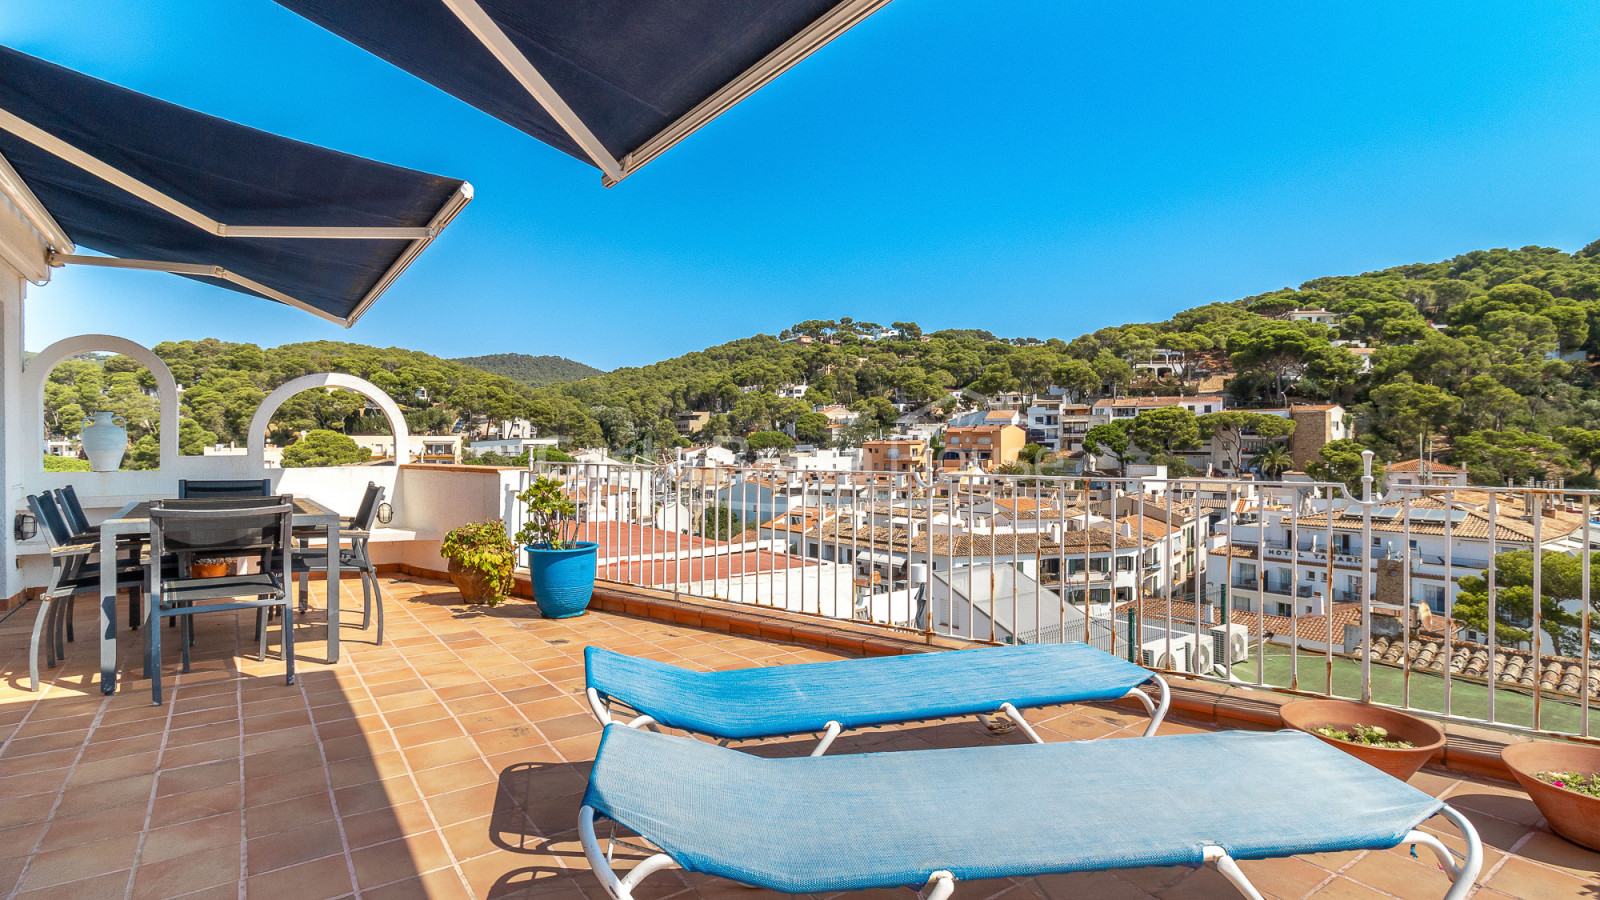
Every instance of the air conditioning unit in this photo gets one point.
(1201, 661)
(1230, 644)
(1157, 653)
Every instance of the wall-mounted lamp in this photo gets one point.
(24, 527)
(385, 514)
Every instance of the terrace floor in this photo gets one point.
(449, 763)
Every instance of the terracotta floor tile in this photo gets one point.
(1345, 889)
(504, 874)
(468, 803)
(279, 740)
(387, 824)
(453, 777)
(375, 795)
(576, 725)
(442, 753)
(37, 762)
(198, 778)
(444, 884)
(46, 782)
(1395, 873)
(81, 861)
(185, 875)
(195, 805)
(190, 837)
(1527, 881)
(95, 825)
(287, 814)
(91, 797)
(115, 768)
(578, 748)
(427, 733)
(420, 714)
(293, 847)
(195, 754)
(283, 787)
(113, 886)
(272, 763)
(99, 750)
(396, 860)
(322, 879)
(1498, 802)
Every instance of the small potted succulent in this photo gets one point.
(1563, 780)
(1384, 738)
(561, 570)
(482, 561)
(210, 568)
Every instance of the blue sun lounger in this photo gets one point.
(913, 819)
(773, 701)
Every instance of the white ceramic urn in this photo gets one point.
(104, 440)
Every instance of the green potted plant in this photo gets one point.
(482, 560)
(561, 570)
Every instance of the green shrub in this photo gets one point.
(65, 464)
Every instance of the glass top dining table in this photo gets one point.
(133, 520)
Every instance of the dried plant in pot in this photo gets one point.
(1543, 768)
(482, 560)
(561, 571)
(1361, 723)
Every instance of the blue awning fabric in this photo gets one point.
(159, 186)
(612, 82)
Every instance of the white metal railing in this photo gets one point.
(1032, 557)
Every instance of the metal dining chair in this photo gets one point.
(354, 559)
(74, 570)
(209, 529)
(190, 489)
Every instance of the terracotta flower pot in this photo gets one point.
(473, 584)
(1343, 715)
(208, 570)
(1572, 815)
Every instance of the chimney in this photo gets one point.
(913, 529)
(1125, 530)
(1208, 613)
(1055, 532)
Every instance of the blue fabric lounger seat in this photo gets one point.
(772, 701)
(909, 819)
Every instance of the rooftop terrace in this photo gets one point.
(449, 764)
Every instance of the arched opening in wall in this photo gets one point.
(329, 426)
(98, 391)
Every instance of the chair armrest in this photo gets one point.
(73, 550)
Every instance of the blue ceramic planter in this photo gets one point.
(563, 580)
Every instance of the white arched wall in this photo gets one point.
(258, 424)
(38, 369)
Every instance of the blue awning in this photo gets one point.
(157, 186)
(612, 82)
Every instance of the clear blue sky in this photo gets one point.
(1034, 168)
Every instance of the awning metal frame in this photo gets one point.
(813, 37)
(64, 252)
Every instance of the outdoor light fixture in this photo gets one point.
(385, 514)
(25, 526)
